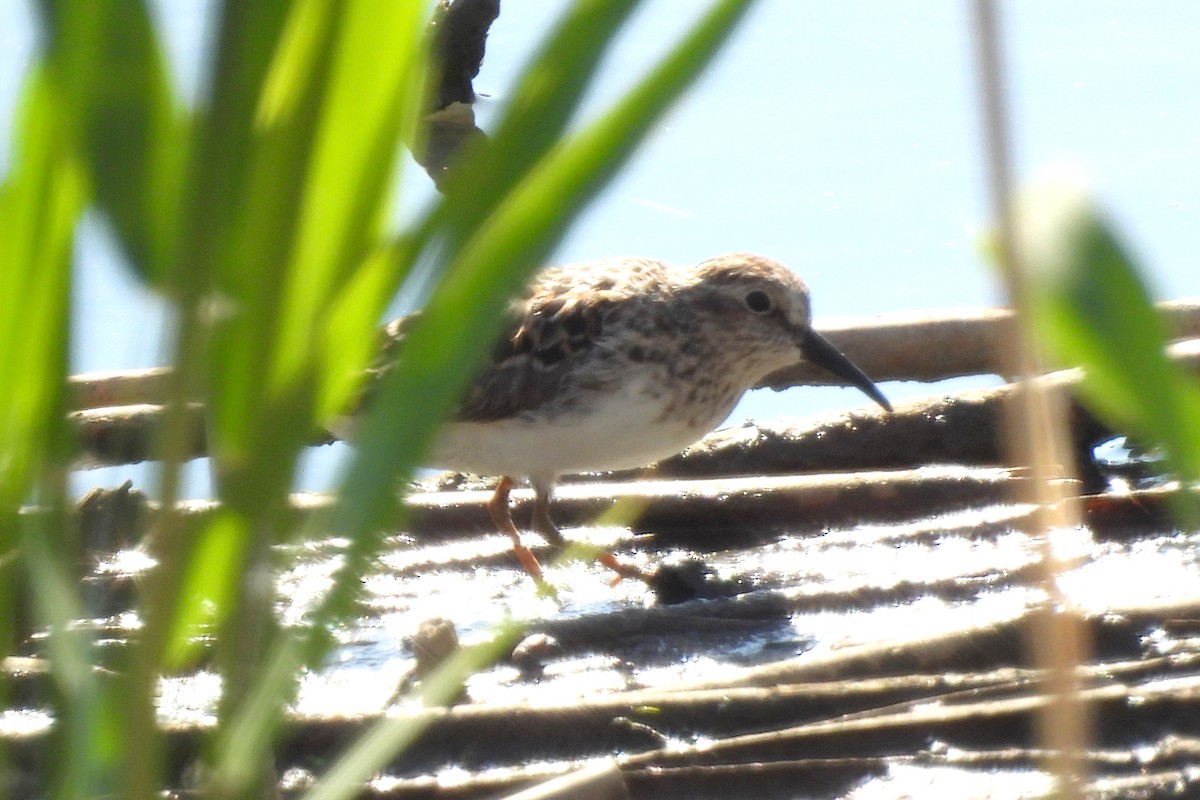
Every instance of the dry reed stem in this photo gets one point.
(910, 346)
(952, 428)
(1037, 434)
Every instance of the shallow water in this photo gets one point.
(797, 597)
(849, 585)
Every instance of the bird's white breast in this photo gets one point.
(627, 428)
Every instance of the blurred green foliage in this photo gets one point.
(1092, 309)
(264, 213)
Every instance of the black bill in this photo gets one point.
(818, 350)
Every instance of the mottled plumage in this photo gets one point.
(617, 363)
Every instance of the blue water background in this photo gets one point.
(840, 138)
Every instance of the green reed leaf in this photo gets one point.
(460, 321)
(1092, 310)
(109, 65)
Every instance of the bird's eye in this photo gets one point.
(758, 302)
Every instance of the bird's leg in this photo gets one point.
(544, 525)
(501, 514)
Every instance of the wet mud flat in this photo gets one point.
(862, 631)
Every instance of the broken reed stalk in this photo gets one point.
(1037, 427)
(843, 702)
(959, 428)
(937, 345)
(905, 506)
(702, 511)
(918, 346)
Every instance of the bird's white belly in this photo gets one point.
(629, 429)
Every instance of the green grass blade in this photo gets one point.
(217, 173)
(260, 247)
(107, 61)
(88, 727)
(371, 105)
(463, 317)
(466, 312)
(207, 587)
(1092, 310)
(391, 735)
(220, 165)
(40, 203)
(340, 94)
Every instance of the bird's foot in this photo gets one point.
(622, 570)
(501, 513)
(544, 525)
(528, 562)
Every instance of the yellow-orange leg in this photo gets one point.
(501, 513)
(544, 525)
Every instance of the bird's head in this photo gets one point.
(762, 309)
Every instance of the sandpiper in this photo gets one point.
(618, 363)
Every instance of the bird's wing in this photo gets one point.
(388, 348)
(544, 338)
(540, 346)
